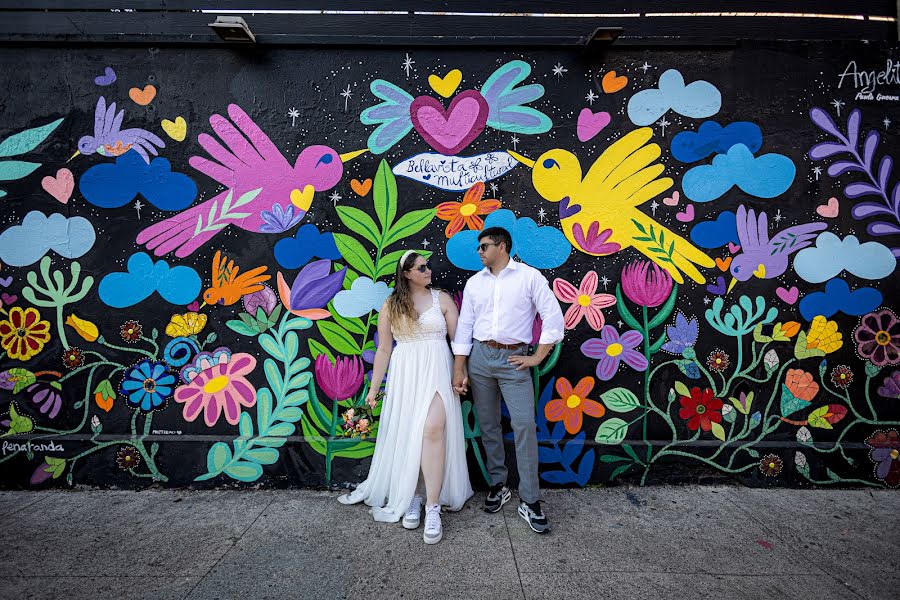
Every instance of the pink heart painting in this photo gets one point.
(61, 186)
(687, 215)
(449, 131)
(829, 210)
(591, 123)
(788, 295)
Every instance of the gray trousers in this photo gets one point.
(490, 375)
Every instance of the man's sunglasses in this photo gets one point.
(483, 247)
(421, 268)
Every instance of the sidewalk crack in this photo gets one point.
(233, 544)
(513, 550)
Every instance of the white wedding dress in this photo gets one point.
(421, 365)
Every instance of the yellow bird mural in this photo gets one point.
(599, 213)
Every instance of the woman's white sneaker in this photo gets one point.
(413, 514)
(433, 531)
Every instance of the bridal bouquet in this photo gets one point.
(359, 421)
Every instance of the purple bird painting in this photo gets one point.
(265, 194)
(110, 139)
(763, 257)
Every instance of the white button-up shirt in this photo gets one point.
(502, 308)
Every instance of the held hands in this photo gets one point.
(460, 380)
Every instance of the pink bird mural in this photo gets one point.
(265, 193)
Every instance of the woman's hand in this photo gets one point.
(372, 399)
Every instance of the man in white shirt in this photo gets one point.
(493, 333)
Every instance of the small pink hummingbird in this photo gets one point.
(259, 180)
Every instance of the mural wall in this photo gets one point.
(195, 245)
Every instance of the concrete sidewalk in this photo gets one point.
(610, 543)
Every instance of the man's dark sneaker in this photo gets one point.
(535, 516)
(497, 496)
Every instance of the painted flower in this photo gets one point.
(742, 402)
(842, 376)
(701, 409)
(73, 358)
(717, 361)
(279, 220)
(23, 333)
(573, 404)
(770, 465)
(878, 338)
(311, 291)
(264, 298)
(467, 213)
(131, 331)
(801, 384)
(147, 385)
(682, 335)
(216, 383)
(593, 241)
(585, 301)
(778, 332)
(646, 283)
(104, 396)
(128, 458)
(340, 379)
(885, 454)
(822, 338)
(891, 386)
(87, 330)
(187, 324)
(7, 380)
(611, 349)
(48, 395)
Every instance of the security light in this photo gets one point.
(233, 29)
(603, 35)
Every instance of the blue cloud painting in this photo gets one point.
(307, 243)
(25, 244)
(764, 176)
(831, 255)
(110, 185)
(836, 298)
(717, 233)
(697, 100)
(541, 247)
(177, 285)
(712, 138)
(363, 296)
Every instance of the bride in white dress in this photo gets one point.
(420, 428)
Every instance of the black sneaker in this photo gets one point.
(535, 516)
(497, 496)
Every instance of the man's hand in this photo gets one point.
(524, 362)
(460, 380)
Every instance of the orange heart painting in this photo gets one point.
(142, 97)
(361, 187)
(613, 83)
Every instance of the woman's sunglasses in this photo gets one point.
(421, 268)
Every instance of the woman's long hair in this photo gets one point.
(400, 307)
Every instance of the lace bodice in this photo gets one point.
(431, 324)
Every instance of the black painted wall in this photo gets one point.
(287, 440)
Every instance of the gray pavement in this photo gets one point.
(611, 543)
